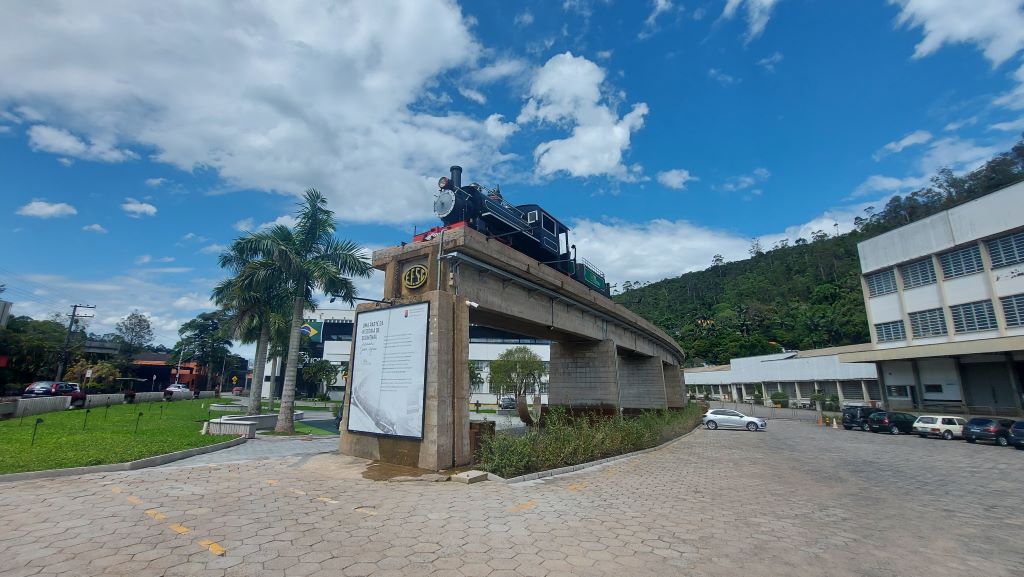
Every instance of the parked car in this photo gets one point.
(1017, 435)
(988, 429)
(507, 403)
(946, 427)
(56, 389)
(175, 388)
(237, 390)
(728, 418)
(857, 417)
(891, 421)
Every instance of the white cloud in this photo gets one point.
(283, 220)
(1009, 126)
(59, 141)
(43, 209)
(273, 96)
(524, 18)
(878, 183)
(65, 161)
(676, 178)
(143, 259)
(167, 270)
(996, 26)
(244, 225)
(658, 7)
(959, 155)
(721, 77)
(193, 301)
(958, 124)
(213, 249)
(913, 139)
(498, 70)
(745, 181)
(165, 259)
(155, 182)
(4, 129)
(498, 129)
(759, 12)
(474, 95)
(604, 54)
(1014, 99)
(137, 208)
(94, 228)
(566, 92)
(769, 62)
(193, 237)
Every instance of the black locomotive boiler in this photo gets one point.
(527, 228)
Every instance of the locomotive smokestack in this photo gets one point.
(456, 176)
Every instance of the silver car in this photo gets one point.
(732, 419)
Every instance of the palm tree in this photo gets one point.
(302, 262)
(254, 312)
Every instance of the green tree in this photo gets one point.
(322, 372)
(256, 309)
(134, 332)
(517, 371)
(303, 261)
(476, 376)
(204, 340)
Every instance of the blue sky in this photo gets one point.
(137, 141)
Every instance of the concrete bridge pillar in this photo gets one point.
(584, 374)
(675, 390)
(641, 383)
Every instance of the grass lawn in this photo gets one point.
(109, 436)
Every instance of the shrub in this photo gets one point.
(566, 441)
(780, 398)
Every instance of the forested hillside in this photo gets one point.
(801, 296)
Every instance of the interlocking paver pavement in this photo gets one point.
(795, 500)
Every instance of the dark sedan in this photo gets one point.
(988, 429)
(892, 422)
(55, 389)
(1017, 435)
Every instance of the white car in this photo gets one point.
(948, 428)
(728, 418)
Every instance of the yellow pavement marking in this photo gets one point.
(156, 514)
(134, 500)
(116, 489)
(578, 486)
(366, 510)
(326, 500)
(271, 482)
(179, 529)
(297, 492)
(523, 506)
(214, 547)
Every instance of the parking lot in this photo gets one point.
(794, 500)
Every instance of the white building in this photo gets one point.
(945, 305)
(798, 374)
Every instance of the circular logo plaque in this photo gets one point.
(414, 276)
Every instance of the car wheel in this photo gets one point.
(923, 435)
(1019, 447)
(947, 435)
(847, 427)
(894, 430)
(1002, 441)
(752, 427)
(970, 439)
(711, 425)
(866, 428)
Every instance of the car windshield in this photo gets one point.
(980, 422)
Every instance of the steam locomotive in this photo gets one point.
(527, 228)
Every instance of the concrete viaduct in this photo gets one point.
(602, 354)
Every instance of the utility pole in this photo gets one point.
(67, 340)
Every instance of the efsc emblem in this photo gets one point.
(414, 276)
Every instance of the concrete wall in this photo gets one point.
(104, 400)
(207, 394)
(41, 405)
(147, 397)
(584, 374)
(675, 390)
(641, 383)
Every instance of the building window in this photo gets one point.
(971, 317)
(1013, 308)
(937, 389)
(882, 282)
(918, 273)
(1006, 250)
(898, 391)
(961, 262)
(892, 331)
(929, 323)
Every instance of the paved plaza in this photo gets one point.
(795, 500)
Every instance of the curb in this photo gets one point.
(154, 461)
(581, 466)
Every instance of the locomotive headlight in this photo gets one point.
(442, 182)
(444, 203)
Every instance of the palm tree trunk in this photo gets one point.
(256, 389)
(286, 418)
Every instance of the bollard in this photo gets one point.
(85, 421)
(107, 410)
(161, 411)
(137, 419)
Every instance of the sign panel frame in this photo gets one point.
(372, 376)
